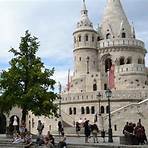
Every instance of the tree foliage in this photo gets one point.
(27, 83)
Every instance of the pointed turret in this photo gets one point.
(115, 23)
(84, 22)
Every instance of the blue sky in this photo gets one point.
(53, 22)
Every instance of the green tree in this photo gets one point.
(27, 83)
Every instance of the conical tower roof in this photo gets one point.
(84, 22)
(115, 21)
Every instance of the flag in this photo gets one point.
(68, 81)
(111, 77)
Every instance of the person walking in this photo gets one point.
(78, 129)
(40, 127)
(87, 131)
(95, 131)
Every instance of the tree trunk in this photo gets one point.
(24, 113)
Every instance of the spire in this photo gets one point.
(114, 18)
(84, 19)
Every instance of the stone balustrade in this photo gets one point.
(116, 95)
(131, 68)
(120, 42)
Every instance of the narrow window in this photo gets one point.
(108, 36)
(93, 38)
(105, 86)
(95, 87)
(123, 35)
(70, 111)
(82, 110)
(115, 127)
(87, 110)
(74, 111)
(79, 38)
(122, 61)
(86, 38)
(92, 110)
(107, 109)
(102, 109)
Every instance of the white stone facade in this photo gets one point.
(95, 51)
(114, 43)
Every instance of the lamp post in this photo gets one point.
(99, 100)
(60, 88)
(108, 95)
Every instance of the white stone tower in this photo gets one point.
(119, 46)
(85, 54)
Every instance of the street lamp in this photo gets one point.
(108, 93)
(99, 99)
(60, 89)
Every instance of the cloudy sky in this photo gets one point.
(53, 22)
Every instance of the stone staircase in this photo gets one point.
(7, 142)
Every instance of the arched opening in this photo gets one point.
(102, 109)
(95, 87)
(93, 38)
(2, 124)
(108, 36)
(82, 110)
(74, 111)
(122, 61)
(11, 127)
(70, 111)
(139, 61)
(129, 60)
(87, 110)
(105, 86)
(86, 37)
(79, 38)
(92, 110)
(123, 35)
(108, 64)
(107, 109)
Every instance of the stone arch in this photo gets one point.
(102, 109)
(74, 111)
(86, 37)
(108, 36)
(108, 64)
(2, 124)
(70, 111)
(94, 87)
(11, 127)
(107, 109)
(122, 60)
(92, 110)
(129, 60)
(79, 38)
(139, 61)
(82, 110)
(123, 35)
(87, 110)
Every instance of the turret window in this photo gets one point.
(102, 109)
(139, 61)
(123, 35)
(86, 37)
(95, 87)
(93, 38)
(122, 61)
(129, 60)
(82, 110)
(70, 111)
(92, 110)
(87, 110)
(108, 36)
(79, 38)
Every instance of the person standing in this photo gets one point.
(78, 129)
(87, 131)
(60, 128)
(95, 132)
(40, 127)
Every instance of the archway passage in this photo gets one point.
(11, 127)
(2, 124)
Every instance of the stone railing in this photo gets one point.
(116, 95)
(120, 42)
(127, 108)
(131, 68)
(82, 44)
